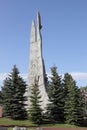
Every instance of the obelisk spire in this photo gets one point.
(33, 32)
(39, 21)
(36, 66)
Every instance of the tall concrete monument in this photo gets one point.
(36, 64)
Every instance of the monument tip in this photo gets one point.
(33, 23)
(39, 20)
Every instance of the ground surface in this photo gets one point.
(64, 128)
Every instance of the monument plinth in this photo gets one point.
(36, 64)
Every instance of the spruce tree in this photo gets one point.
(35, 110)
(13, 92)
(1, 99)
(80, 108)
(83, 91)
(73, 108)
(55, 108)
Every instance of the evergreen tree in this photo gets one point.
(83, 91)
(47, 84)
(1, 99)
(13, 96)
(35, 111)
(55, 108)
(80, 108)
(73, 108)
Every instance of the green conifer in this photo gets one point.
(55, 108)
(35, 110)
(13, 96)
(73, 108)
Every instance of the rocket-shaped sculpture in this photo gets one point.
(36, 64)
